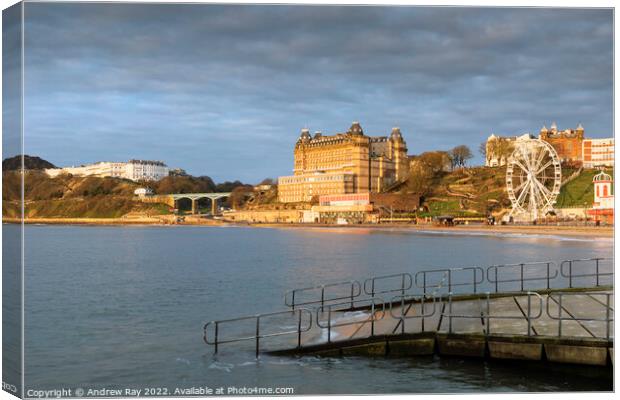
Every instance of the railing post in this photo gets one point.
(450, 280)
(521, 277)
(352, 285)
(293, 300)
(329, 324)
(422, 310)
(402, 284)
(496, 284)
(372, 288)
(322, 297)
(597, 281)
(488, 318)
(424, 281)
(372, 320)
(257, 334)
(450, 312)
(402, 314)
(607, 315)
(529, 313)
(559, 316)
(570, 274)
(548, 275)
(216, 336)
(474, 271)
(299, 331)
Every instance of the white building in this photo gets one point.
(143, 192)
(603, 197)
(597, 153)
(135, 170)
(499, 148)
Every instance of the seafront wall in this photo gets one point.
(265, 216)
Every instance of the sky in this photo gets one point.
(224, 91)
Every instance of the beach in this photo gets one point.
(558, 230)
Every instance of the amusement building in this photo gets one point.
(344, 163)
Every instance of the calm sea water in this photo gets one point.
(123, 307)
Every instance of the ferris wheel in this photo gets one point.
(533, 179)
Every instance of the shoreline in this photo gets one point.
(570, 231)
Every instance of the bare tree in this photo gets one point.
(483, 149)
(460, 155)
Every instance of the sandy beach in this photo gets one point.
(562, 230)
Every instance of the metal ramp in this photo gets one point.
(569, 299)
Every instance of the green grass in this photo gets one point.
(579, 191)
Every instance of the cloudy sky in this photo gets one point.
(224, 90)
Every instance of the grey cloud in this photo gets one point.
(186, 83)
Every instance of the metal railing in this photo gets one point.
(257, 336)
(549, 269)
(344, 296)
(375, 303)
(404, 315)
(405, 283)
(422, 278)
(528, 312)
(567, 269)
(486, 316)
(353, 290)
(564, 315)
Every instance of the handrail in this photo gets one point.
(569, 274)
(447, 273)
(486, 313)
(404, 277)
(495, 279)
(355, 290)
(402, 300)
(528, 315)
(257, 336)
(372, 319)
(566, 316)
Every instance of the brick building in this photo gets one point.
(567, 143)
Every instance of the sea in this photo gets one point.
(123, 308)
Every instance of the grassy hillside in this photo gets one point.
(467, 192)
(72, 197)
(579, 191)
(473, 191)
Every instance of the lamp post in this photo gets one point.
(585, 213)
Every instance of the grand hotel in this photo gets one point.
(344, 163)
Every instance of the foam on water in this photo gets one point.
(222, 366)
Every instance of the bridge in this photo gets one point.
(544, 311)
(194, 197)
(171, 199)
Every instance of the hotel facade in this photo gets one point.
(344, 163)
(598, 153)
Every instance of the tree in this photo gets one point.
(239, 196)
(436, 161)
(268, 181)
(460, 155)
(500, 149)
(483, 149)
(420, 179)
(424, 171)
